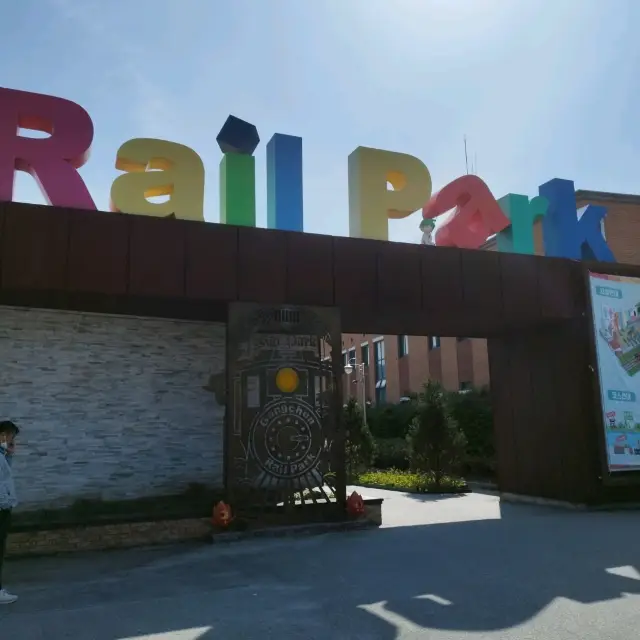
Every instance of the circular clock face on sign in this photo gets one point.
(286, 438)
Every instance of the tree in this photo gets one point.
(436, 442)
(359, 443)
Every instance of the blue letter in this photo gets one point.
(284, 183)
(569, 233)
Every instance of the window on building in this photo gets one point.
(381, 372)
(364, 354)
(344, 359)
(434, 342)
(381, 369)
(403, 346)
(351, 355)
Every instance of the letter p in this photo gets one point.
(371, 203)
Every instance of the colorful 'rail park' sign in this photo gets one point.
(152, 167)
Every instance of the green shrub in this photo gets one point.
(195, 501)
(391, 420)
(409, 482)
(359, 443)
(478, 468)
(390, 425)
(428, 483)
(473, 413)
(436, 442)
(391, 453)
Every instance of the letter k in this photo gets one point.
(569, 233)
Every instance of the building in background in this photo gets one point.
(398, 365)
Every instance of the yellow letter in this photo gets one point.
(371, 203)
(179, 173)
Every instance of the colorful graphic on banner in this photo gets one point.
(616, 319)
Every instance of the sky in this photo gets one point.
(540, 89)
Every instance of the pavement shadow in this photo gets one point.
(370, 491)
(433, 497)
(477, 576)
(491, 575)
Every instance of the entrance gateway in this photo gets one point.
(534, 311)
(284, 449)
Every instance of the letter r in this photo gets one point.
(52, 161)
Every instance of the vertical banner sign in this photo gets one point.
(616, 319)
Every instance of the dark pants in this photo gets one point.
(5, 519)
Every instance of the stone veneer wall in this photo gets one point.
(111, 407)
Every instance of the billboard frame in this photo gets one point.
(609, 478)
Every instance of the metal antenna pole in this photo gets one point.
(466, 157)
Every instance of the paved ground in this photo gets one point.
(459, 567)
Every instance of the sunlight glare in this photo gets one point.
(436, 599)
(430, 20)
(402, 624)
(627, 571)
(183, 634)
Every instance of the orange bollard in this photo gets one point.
(355, 504)
(221, 517)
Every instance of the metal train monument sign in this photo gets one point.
(152, 167)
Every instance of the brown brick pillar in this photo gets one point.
(435, 364)
(418, 362)
(480, 362)
(393, 374)
(465, 362)
(449, 349)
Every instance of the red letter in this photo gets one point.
(51, 161)
(477, 215)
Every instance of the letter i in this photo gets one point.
(238, 140)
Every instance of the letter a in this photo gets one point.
(476, 214)
(179, 173)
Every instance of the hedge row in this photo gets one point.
(390, 423)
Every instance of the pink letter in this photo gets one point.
(51, 161)
(477, 215)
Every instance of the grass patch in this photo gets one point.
(399, 480)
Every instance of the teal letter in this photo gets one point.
(523, 213)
